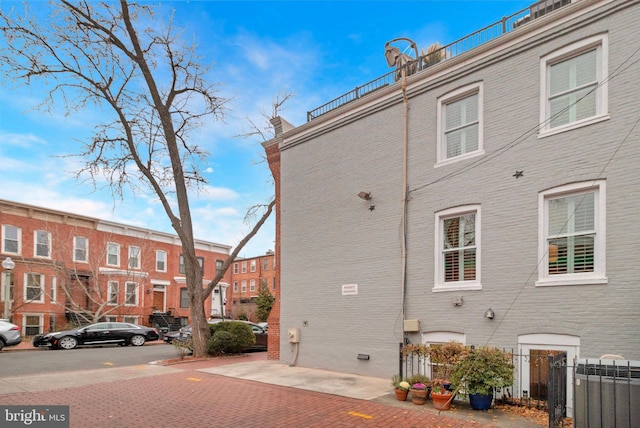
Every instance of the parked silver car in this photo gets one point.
(9, 334)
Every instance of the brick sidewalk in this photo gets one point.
(191, 398)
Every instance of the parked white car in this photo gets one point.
(9, 334)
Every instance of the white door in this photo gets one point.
(216, 301)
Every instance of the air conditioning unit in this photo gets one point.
(607, 393)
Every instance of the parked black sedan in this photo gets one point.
(119, 333)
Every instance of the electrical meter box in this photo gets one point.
(411, 326)
(294, 335)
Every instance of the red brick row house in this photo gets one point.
(75, 269)
(247, 275)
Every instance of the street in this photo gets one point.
(40, 361)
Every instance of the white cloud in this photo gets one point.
(24, 141)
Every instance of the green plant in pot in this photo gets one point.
(400, 387)
(481, 371)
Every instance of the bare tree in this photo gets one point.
(115, 55)
(89, 294)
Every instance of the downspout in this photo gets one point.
(405, 149)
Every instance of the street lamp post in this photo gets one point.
(7, 267)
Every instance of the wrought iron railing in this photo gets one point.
(444, 53)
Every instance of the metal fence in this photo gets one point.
(458, 47)
(606, 392)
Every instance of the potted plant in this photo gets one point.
(433, 55)
(419, 393)
(400, 387)
(440, 395)
(481, 371)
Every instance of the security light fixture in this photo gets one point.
(489, 314)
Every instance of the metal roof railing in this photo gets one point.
(444, 53)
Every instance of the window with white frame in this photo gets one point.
(252, 285)
(42, 243)
(458, 249)
(181, 265)
(80, 249)
(11, 239)
(131, 294)
(573, 85)
(134, 257)
(244, 286)
(111, 318)
(54, 289)
(459, 119)
(253, 266)
(130, 319)
(265, 264)
(219, 265)
(235, 286)
(113, 254)
(161, 261)
(34, 287)
(235, 268)
(244, 267)
(32, 324)
(112, 292)
(572, 234)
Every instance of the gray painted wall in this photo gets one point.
(330, 237)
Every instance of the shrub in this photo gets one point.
(237, 337)
(484, 369)
(183, 347)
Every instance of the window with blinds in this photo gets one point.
(572, 241)
(460, 123)
(458, 247)
(574, 89)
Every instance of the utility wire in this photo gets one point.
(531, 131)
(521, 139)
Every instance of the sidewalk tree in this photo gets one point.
(119, 57)
(264, 301)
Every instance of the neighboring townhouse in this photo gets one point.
(76, 269)
(246, 277)
(484, 197)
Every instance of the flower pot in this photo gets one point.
(441, 401)
(480, 401)
(401, 394)
(419, 396)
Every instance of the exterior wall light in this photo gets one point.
(490, 314)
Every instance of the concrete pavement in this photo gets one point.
(235, 391)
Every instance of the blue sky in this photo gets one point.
(316, 50)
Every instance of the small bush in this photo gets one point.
(221, 342)
(237, 337)
(183, 347)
